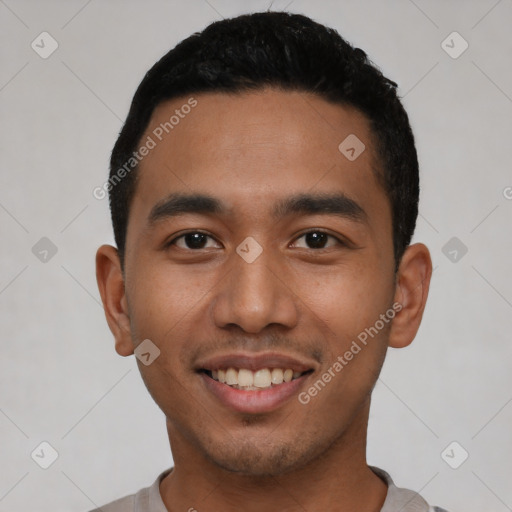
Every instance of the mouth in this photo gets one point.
(248, 380)
(252, 383)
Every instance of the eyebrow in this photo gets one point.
(178, 204)
(337, 204)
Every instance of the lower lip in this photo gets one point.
(254, 401)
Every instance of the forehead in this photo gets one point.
(258, 147)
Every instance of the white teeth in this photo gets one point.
(288, 375)
(249, 380)
(231, 377)
(245, 378)
(277, 376)
(262, 378)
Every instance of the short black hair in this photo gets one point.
(290, 52)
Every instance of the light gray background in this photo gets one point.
(60, 378)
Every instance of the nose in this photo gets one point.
(253, 296)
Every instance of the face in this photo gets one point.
(255, 246)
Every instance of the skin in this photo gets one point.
(250, 150)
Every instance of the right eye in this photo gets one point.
(192, 240)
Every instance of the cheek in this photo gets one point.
(161, 296)
(347, 299)
(348, 305)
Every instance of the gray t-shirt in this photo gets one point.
(149, 499)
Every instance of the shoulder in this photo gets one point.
(402, 499)
(147, 499)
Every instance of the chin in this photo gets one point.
(265, 461)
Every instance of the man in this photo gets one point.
(264, 191)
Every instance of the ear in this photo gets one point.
(412, 284)
(111, 285)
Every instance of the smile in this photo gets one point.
(254, 383)
(249, 380)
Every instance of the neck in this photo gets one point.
(339, 479)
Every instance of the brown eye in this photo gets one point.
(193, 240)
(318, 240)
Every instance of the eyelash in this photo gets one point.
(338, 241)
(173, 241)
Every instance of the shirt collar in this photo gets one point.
(403, 500)
(398, 499)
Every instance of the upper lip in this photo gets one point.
(255, 362)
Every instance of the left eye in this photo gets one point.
(318, 240)
(194, 240)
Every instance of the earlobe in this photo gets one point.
(109, 277)
(413, 281)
